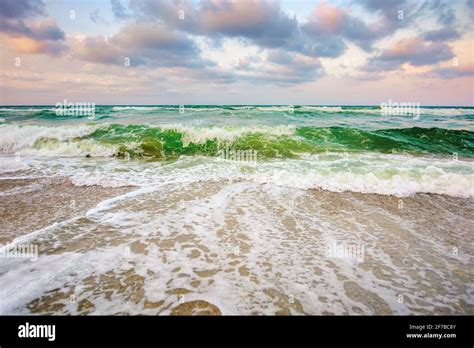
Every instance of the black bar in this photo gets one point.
(336, 330)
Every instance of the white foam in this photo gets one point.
(62, 141)
(26, 109)
(322, 108)
(120, 108)
(200, 135)
(21, 190)
(446, 111)
(288, 262)
(280, 108)
(14, 138)
(399, 175)
(8, 165)
(425, 111)
(366, 173)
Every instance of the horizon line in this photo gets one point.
(358, 105)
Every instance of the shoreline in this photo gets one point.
(28, 205)
(174, 249)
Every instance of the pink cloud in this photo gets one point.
(329, 16)
(404, 47)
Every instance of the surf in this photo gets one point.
(172, 141)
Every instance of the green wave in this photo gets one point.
(412, 140)
(158, 143)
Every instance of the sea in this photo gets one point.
(236, 209)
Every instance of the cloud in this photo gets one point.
(470, 6)
(453, 72)
(446, 15)
(394, 14)
(39, 30)
(330, 27)
(386, 6)
(162, 34)
(282, 68)
(27, 34)
(410, 50)
(443, 34)
(262, 23)
(98, 49)
(16, 19)
(397, 14)
(167, 36)
(31, 46)
(96, 17)
(118, 9)
(21, 8)
(259, 21)
(333, 26)
(148, 44)
(45, 30)
(160, 38)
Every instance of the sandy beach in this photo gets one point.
(199, 248)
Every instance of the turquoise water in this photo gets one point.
(439, 130)
(362, 117)
(354, 148)
(236, 206)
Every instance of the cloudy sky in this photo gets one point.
(237, 52)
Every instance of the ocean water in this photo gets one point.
(238, 210)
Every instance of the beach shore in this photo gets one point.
(233, 248)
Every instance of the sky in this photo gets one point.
(346, 52)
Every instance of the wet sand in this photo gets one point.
(28, 205)
(236, 248)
